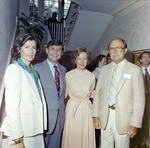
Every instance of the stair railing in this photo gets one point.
(56, 30)
(62, 30)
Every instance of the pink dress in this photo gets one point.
(79, 131)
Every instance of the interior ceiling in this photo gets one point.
(104, 6)
(91, 14)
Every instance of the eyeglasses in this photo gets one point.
(118, 48)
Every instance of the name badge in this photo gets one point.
(127, 76)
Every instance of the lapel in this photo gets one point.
(123, 80)
(32, 83)
(109, 75)
(48, 76)
(61, 78)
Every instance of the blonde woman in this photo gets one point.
(79, 131)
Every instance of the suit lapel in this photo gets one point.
(122, 80)
(48, 76)
(32, 84)
(109, 75)
(121, 83)
(61, 79)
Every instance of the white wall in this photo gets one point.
(87, 30)
(133, 27)
(24, 7)
(8, 12)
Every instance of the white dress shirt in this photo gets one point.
(119, 69)
(51, 66)
(148, 70)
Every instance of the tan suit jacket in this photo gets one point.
(25, 111)
(96, 72)
(130, 98)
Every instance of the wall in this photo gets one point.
(41, 9)
(133, 27)
(8, 12)
(88, 27)
(24, 7)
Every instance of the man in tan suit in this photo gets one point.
(119, 99)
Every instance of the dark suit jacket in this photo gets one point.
(55, 104)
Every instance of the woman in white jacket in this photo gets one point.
(25, 103)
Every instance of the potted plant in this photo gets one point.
(31, 26)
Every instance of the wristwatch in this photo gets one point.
(18, 140)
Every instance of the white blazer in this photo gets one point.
(25, 110)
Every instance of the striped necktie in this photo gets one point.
(57, 81)
(113, 87)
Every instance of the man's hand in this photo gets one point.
(132, 131)
(96, 122)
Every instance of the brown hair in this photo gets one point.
(140, 57)
(20, 41)
(77, 52)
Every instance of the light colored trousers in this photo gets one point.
(110, 136)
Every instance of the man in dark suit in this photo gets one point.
(52, 76)
(144, 59)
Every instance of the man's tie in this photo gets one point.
(57, 82)
(147, 82)
(113, 87)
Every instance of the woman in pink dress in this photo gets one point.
(79, 131)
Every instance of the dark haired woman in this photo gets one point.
(25, 104)
(79, 131)
(100, 61)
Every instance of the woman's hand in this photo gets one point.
(19, 145)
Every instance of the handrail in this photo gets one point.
(69, 8)
(57, 29)
(8, 62)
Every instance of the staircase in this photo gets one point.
(62, 30)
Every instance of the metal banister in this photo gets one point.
(62, 30)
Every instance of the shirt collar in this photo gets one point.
(52, 65)
(143, 68)
(121, 64)
(98, 68)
